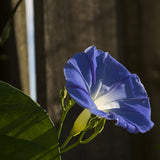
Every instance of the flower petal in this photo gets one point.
(80, 96)
(78, 72)
(113, 71)
(130, 87)
(104, 68)
(131, 112)
(133, 116)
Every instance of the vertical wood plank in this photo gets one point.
(151, 55)
(40, 53)
(73, 27)
(68, 27)
(139, 38)
(8, 49)
(14, 68)
(19, 21)
(129, 43)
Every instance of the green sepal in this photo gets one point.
(100, 126)
(92, 122)
(63, 95)
(69, 102)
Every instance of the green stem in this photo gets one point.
(65, 111)
(80, 141)
(89, 139)
(9, 20)
(62, 104)
(81, 136)
(98, 130)
(66, 142)
(70, 147)
(61, 122)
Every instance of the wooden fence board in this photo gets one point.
(14, 68)
(64, 28)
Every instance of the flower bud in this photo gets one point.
(81, 122)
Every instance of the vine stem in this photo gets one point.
(66, 142)
(61, 122)
(89, 139)
(80, 140)
(9, 20)
(64, 114)
(70, 147)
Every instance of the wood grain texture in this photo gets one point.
(14, 68)
(19, 21)
(151, 55)
(139, 39)
(65, 28)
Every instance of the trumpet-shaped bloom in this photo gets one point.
(96, 81)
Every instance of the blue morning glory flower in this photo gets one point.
(99, 83)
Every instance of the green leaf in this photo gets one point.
(26, 132)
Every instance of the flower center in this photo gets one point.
(107, 98)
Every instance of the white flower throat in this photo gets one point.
(106, 98)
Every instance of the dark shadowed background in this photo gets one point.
(128, 29)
